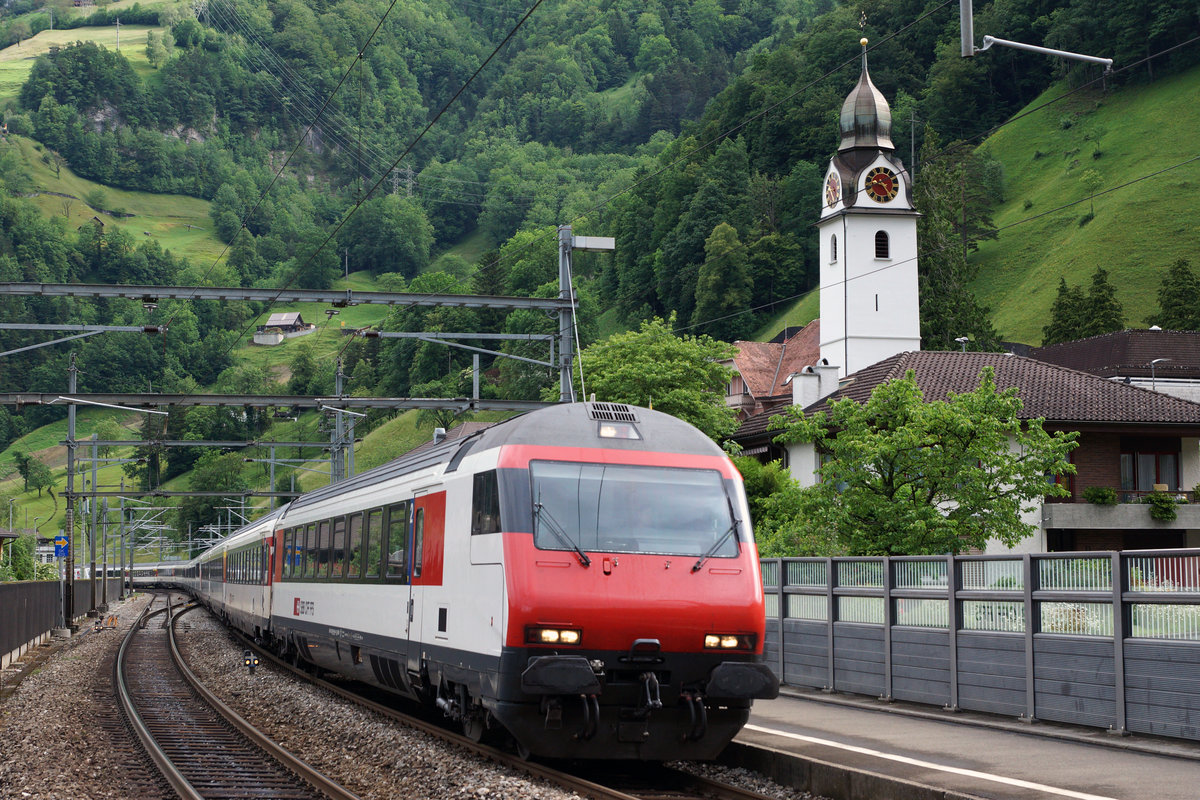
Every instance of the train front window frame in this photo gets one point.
(623, 508)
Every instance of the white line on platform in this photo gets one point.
(930, 765)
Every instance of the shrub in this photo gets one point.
(1086, 218)
(1100, 495)
(1162, 506)
(1066, 121)
(1028, 204)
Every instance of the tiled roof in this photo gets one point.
(284, 318)
(764, 366)
(1058, 394)
(1129, 353)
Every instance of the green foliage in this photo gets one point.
(1075, 315)
(652, 366)
(1163, 506)
(905, 477)
(1178, 299)
(1100, 495)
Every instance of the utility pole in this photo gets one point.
(337, 468)
(92, 528)
(69, 521)
(118, 34)
(567, 244)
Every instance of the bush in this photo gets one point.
(1162, 506)
(1086, 218)
(1100, 495)
(1028, 204)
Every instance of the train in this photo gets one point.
(580, 580)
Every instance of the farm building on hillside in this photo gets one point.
(284, 325)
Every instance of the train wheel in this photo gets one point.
(475, 728)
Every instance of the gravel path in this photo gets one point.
(50, 751)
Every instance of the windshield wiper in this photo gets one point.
(715, 546)
(559, 533)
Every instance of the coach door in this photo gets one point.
(426, 619)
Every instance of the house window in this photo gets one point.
(1144, 468)
(881, 245)
(833, 248)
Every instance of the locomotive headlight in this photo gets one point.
(569, 636)
(728, 641)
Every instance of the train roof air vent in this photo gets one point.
(611, 412)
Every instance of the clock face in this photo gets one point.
(833, 189)
(881, 184)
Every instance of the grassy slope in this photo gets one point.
(1138, 231)
(17, 60)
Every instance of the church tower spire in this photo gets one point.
(870, 305)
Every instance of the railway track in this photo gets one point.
(203, 748)
(601, 782)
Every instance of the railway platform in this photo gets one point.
(857, 748)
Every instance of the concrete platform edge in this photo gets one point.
(830, 780)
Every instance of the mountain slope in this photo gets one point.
(1142, 224)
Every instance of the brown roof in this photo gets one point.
(764, 366)
(1058, 394)
(460, 431)
(1129, 353)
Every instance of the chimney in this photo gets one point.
(439, 435)
(813, 383)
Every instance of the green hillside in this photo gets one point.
(1138, 230)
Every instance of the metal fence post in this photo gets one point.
(831, 684)
(953, 584)
(1118, 611)
(781, 613)
(1030, 695)
(887, 629)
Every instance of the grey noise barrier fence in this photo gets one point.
(1102, 639)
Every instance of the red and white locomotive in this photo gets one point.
(582, 576)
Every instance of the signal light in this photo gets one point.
(250, 660)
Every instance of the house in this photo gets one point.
(761, 369)
(1131, 439)
(1165, 361)
(280, 326)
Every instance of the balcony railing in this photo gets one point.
(1136, 495)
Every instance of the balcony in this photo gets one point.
(1123, 516)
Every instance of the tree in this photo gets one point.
(1091, 181)
(724, 286)
(40, 477)
(1066, 315)
(1178, 299)
(678, 375)
(214, 472)
(903, 476)
(1104, 311)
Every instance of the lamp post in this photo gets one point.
(1153, 382)
(963, 341)
(11, 500)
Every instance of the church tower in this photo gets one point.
(870, 308)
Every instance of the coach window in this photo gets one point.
(371, 542)
(397, 542)
(310, 551)
(418, 542)
(485, 504)
(287, 553)
(322, 554)
(354, 548)
(337, 553)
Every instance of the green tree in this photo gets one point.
(1068, 315)
(40, 477)
(1178, 299)
(903, 476)
(214, 472)
(1091, 181)
(1104, 311)
(652, 366)
(724, 287)
(109, 430)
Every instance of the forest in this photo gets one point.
(337, 136)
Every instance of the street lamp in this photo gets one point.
(1153, 383)
(963, 341)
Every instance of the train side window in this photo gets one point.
(288, 543)
(310, 551)
(485, 503)
(354, 548)
(322, 554)
(337, 553)
(418, 542)
(397, 542)
(372, 541)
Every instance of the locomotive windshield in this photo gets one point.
(617, 508)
